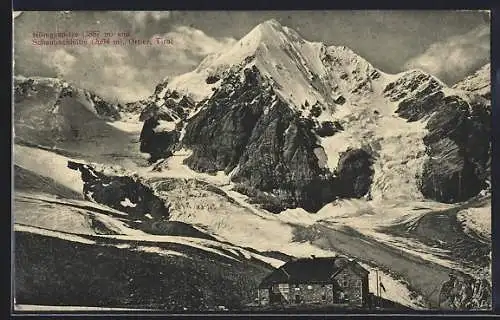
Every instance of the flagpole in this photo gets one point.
(380, 281)
(376, 282)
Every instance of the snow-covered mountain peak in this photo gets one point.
(302, 72)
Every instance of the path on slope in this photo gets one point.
(423, 276)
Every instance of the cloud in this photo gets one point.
(120, 73)
(140, 19)
(196, 41)
(456, 56)
(62, 61)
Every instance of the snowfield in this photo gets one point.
(173, 167)
(367, 217)
(46, 211)
(128, 123)
(48, 164)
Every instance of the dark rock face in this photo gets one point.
(244, 125)
(157, 144)
(219, 133)
(120, 193)
(105, 109)
(328, 128)
(472, 293)
(458, 139)
(355, 173)
(172, 107)
(340, 100)
(212, 79)
(315, 110)
(23, 89)
(419, 94)
(458, 144)
(419, 106)
(286, 165)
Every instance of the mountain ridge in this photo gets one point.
(333, 85)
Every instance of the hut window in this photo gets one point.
(283, 287)
(309, 287)
(358, 283)
(344, 283)
(323, 297)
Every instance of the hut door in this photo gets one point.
(297, 298)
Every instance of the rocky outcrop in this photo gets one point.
(463, 292)
(280, 159)
(458, 138)
(354, 173)
(219, 133)
(104, 108)
(158, 144)
(458, 146)
(479, 82)
(328, 128)
(164, 115)
(418, 93)
(247, 128)
(122, 193)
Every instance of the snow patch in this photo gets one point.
(174, 167)
(160, 251)
(128, 203)
(164, 126)
(127, 126)
(477, 220)
(54, 234)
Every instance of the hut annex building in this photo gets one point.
(316, 280)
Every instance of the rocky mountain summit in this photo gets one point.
(479, 82)
(274, 111)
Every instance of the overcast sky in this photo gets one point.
(448, 44)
